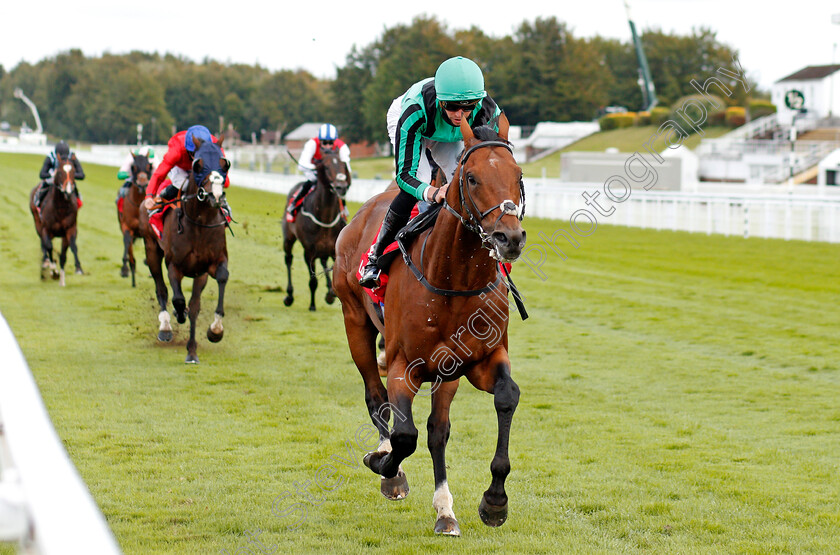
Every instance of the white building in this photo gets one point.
(813, 87)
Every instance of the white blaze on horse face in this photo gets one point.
(217, 183)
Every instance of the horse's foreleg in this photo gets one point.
(330, 298)
(75, 252)
(132, 263)
(438, 428)
(313, 280)
(288, 244)
(126, 246)
(179, 302)
(195, 307)
(216, 331)
(47, 264)
(62, 259)
(496, 378)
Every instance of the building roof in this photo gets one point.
(304, 132)
(811, 73)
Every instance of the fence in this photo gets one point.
(44, 505)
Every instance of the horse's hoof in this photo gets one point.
(447, 526)
(165, 336)
(330, 299)
(492, 515)
(312, 308)
(79, 272)
(55, 274)
(181, 317)
(214, 337)
(124, 271)
(288, 301)
(191, 359)
(395, 488)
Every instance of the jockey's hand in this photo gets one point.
(149, 203)
(440, 194)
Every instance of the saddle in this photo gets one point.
(420, 221)
(292, 210)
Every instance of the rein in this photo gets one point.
(341, 208)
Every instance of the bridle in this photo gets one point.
(474, 214)
(201, 195)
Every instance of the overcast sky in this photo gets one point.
(774, 39)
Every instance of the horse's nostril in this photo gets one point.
(500, 238)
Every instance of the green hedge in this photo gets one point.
(715, 114)
(617, 121)
(736, 116)
(760, 108)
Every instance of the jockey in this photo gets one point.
(173, 173)
(62, 151)
(124, 172)
(311, 154)
(424, 124)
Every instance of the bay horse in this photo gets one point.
(317, 225)
(193, 244)
(446, 319)
(57, 218)
(129, 216)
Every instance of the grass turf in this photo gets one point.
(679, 394)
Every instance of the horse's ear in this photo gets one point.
(198, 142)
(225, 163)
(466, 131)
(221, 140)
(197, 164)
(504, 126)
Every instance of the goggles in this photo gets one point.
(455, 105)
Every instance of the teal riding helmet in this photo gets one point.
(459, 78)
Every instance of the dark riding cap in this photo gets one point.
(62, 150)
(196, 132)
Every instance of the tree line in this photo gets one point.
(541, 72)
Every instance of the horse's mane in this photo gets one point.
(486, 133)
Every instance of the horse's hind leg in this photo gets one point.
(75, 252)
(216, 331)
(153, 261)
(438, 428)
(330, 298)
(195, 308)
(47, 264)
(287, 247)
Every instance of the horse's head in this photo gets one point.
(65, 175)
(141, 171)
(487, 190)
(209, 171)
(333, 172)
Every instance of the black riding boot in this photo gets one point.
(42, 193)
(390, 226)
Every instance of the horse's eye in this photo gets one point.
(471, 179)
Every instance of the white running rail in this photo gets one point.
(45, 506)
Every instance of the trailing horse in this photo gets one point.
(193, 244)
(129, 214)
(445, 316)
(317, 225)
(57, 218)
